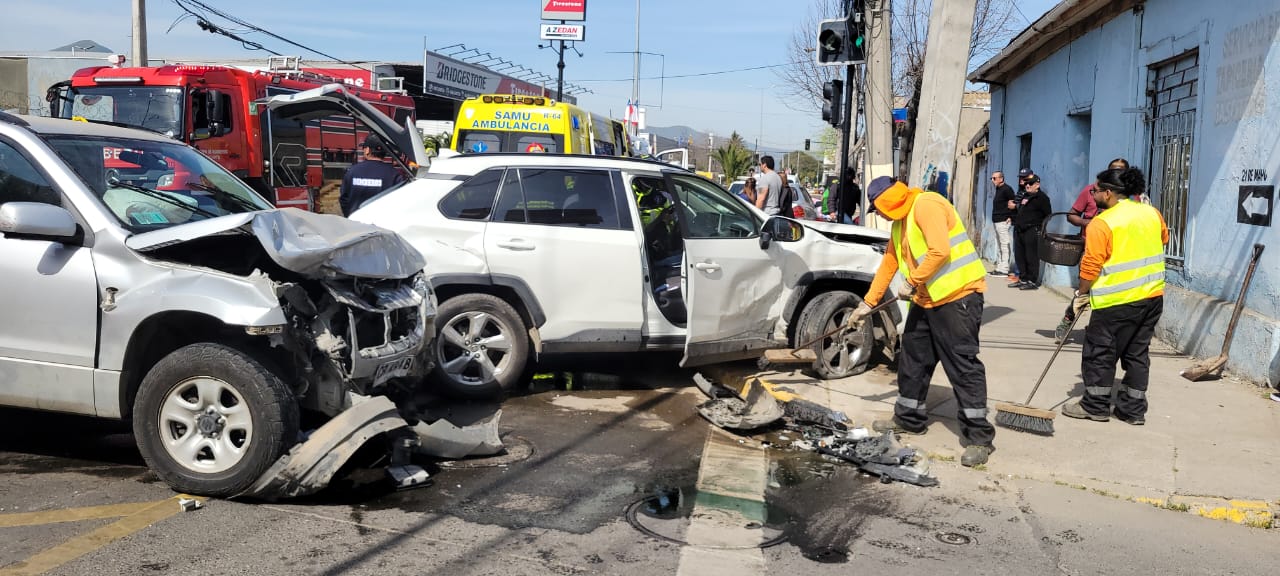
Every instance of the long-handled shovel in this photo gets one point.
(1209, 366)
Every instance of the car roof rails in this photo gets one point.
(12, 119)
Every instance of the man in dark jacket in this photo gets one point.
(368, 178)
(1032, 211)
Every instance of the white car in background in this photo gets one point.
(533, 254)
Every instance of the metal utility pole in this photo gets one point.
(560, 72)
(942, 91)
(139, 33)
(846, 121)
(635, 72)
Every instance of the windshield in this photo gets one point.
(153, 108)
(151, 185)
(490, 141)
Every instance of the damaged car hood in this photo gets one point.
(833, 229)
(313, 245)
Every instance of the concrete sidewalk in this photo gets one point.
(1210, 448)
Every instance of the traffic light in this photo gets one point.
(832, 97)
(833, 42)
(806, 144)
(858, 32)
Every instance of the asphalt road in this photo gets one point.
(624, 441)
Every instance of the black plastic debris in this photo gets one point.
(878, 455)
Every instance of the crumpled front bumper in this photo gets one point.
(385, 328)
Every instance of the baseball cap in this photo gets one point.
(374, 142)
(877, 187)
(1023, 173)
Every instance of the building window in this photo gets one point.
(1024, 151)
(1173, 89)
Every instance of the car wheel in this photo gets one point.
(210, 419)
(844, 354)
(482, 346)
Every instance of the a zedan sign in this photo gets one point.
(575, 10)
(576, 32)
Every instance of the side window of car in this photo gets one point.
(21, 182)
(559, 197)
(710, 212)
(473, 200)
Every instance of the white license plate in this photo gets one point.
(393, 369)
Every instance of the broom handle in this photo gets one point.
(1235, 313)
(1051, 359)
(837, 329)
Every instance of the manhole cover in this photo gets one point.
(665, 515)
(953, 538)
(828, 556)
(517, 449)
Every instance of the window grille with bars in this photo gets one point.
(1173, 88)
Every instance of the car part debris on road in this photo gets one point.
(189, 504)
(756, 410)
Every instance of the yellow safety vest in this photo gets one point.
(963, 264)
(1135, 270)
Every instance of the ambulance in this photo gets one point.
(513, 123)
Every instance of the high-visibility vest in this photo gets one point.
(1135, 270)
(963, 264)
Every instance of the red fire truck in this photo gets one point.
(293, 163)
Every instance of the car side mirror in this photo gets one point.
(37, 220)
(779, 229)
(201, 134)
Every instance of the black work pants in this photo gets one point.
(1026, 250)
(1120, 332)
(947, 334)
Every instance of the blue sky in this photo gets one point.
(696, 36)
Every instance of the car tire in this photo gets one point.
(237, 417)
(843, 355)
(468, 364)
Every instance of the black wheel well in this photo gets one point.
(161, 334)
(504, 293)
(818, 288)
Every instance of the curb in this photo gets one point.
(1252, 513)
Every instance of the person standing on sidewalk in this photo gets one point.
(1002, 211)
(945, 280)
(1122, 273)
(768, 187)
(1081, 213)
(1033, 210)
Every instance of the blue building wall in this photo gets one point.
(1084, 105)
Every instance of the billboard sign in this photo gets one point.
(458, 80)
(574, 10)
(577, 32)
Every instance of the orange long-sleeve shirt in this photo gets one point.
(1097, 247)
(936, 218)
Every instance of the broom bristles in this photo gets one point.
(1007, 417)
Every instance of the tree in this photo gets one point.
(803, 165)
(734, 157)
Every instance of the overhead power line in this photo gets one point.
(699, 74)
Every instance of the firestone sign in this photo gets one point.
(575, 10)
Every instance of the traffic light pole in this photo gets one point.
(846, 119)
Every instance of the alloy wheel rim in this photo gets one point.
(474, 348)
(205, 425)
(842, 352)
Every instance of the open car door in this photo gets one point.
(405, 141)
(733, 281)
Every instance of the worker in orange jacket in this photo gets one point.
(945, 279)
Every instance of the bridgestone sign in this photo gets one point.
(575, 10)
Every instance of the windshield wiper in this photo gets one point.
(224, 195)
(161, 196)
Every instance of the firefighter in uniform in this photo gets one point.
(369, 177)
(945, 280)
(1122, 280)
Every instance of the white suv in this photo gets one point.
(538, 254)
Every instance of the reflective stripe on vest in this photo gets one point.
(963, 263)
(1135, 270)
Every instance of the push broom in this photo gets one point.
(1022, 417)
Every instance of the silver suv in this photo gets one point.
(143, 281)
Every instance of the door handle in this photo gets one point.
(517, 244)
(707, 266)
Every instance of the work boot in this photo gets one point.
(1029, 286)
(1060, 333)
(1016, 284)
(1130, 420)
(975, 455)
(1075, 410)
(882, 426)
